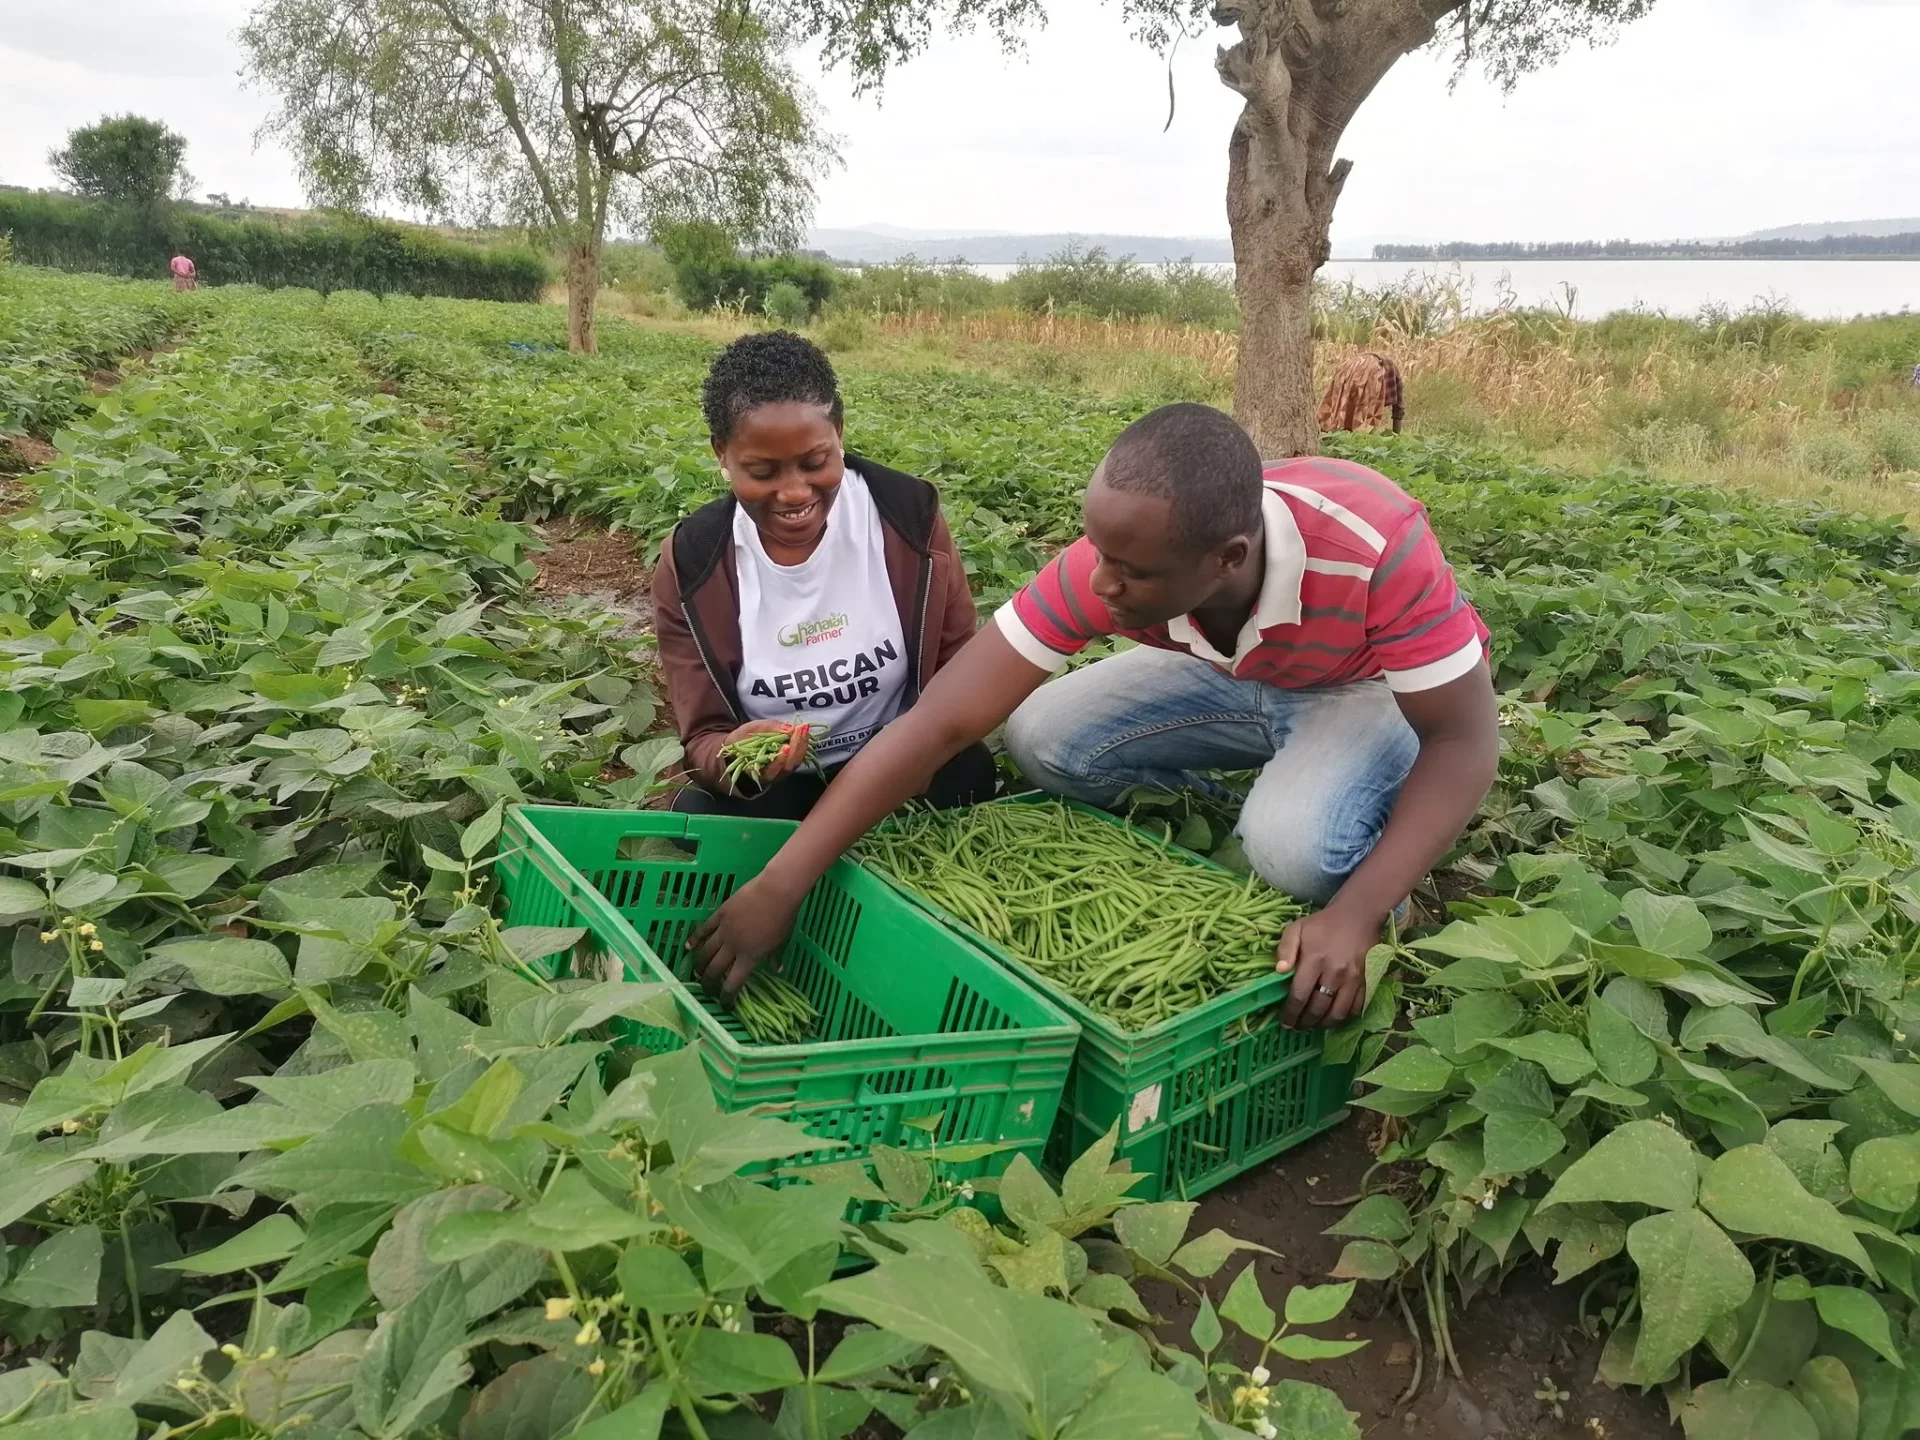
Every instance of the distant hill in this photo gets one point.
(1838, 228)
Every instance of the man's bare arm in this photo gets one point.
(982, 685)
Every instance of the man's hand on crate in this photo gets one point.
(751, 925)
(1326, 953)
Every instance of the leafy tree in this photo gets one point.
(554, 113)
(124, 158)
(1304, 67)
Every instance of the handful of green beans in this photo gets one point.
(748, 757)
(1137, 934)
(773, 1010)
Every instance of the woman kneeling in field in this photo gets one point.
(818, 597)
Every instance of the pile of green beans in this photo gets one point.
(773, 1010)
(1135, 933)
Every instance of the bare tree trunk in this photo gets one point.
(1303, 68)
(1278, 244)
(583, 295)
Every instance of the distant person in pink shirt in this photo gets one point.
(183, 276)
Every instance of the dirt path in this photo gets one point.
(1513, 1345)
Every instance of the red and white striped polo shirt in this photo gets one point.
(1355, 587)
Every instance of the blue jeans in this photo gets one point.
(1331, 761)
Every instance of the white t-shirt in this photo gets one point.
(820, 641)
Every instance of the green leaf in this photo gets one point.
(1641, 1004)
(1378, 1217)
(1367, 1260)
(657, 1279)
(1311, 1347)
(571, 1215)
(1204, 1256)
(1667, 924)
(1301, 1411)
(1859, 1314)
(1535, 939)
(1825, 1387)
(228, 966)
(638, 1419)
(354, 1160)
(334, 1094)
(1027, 1198)
(1206, 1331)
(906, 1178)
(1246, 1307)
(63, 1270)
(414, 1360)
(483, 831)
(1898, 1082)
(1745, 1410)
(861, 1352)
(1317, 1304)
(721, 1362)
(1110, 1294)
(1623, 1055)
(533, 1399)
(1690, 1275)
(20, 899)
(1644, 1162)
(1417, 1068)
(1750, 1190)
(986, 1331)
(29, 1180)
(1153, 1231)
(174, 1350)
(272, 1239)
(1136, 1403)
(1885, 1171)
(1561, 1056)
(108, 1422)
(1516, 1142)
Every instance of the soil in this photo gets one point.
(601, 565)
(20, 453)
(1511, 1344)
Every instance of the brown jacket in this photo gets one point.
(696, 606)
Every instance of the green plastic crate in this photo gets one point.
(914, 1020)
(1200, 1098)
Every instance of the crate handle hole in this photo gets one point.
(671, 850)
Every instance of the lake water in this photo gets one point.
(1819, 289)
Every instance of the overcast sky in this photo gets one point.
(1714, 117)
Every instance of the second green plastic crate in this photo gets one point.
(915, 1021)
(1200, 1098)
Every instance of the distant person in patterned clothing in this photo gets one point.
(183, 276)
(1365, 388)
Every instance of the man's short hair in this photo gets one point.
(1201, 463)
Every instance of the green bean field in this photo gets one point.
(303, 1141)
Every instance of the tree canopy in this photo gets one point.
(124, 158)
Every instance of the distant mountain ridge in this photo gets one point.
(881, 243)
(1838, 229)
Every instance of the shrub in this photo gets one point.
(1826, 449)
(333, 253)
(786, 304)
(843, 330)
(1894, 438)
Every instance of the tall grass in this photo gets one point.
(1759, 397)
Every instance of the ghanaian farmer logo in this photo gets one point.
(813, 632)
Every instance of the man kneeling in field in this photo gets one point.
(1297, 618)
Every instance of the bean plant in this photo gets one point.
(299, 1140)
